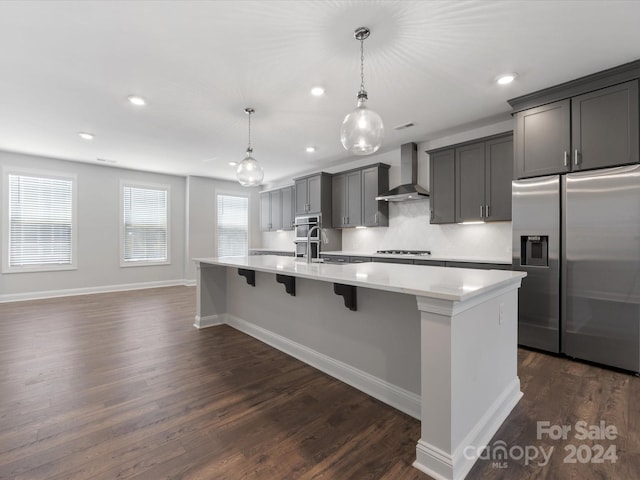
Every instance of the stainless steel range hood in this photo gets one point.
(409, 188)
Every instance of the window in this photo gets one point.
(233, 225)
(145, 225)
(39, 222)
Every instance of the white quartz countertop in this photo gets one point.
(439, 258)
(457, 284)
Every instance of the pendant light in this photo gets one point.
(362, 130)
(249, 172)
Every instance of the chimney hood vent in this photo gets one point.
(409, 188)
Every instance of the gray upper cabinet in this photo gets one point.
(313, 195)
(543, 140)
(288, 214)
(265, 212)
(470, 182)
(596, 129)
(347, 199)
(276, 210)
(498, 178)
(442, 181)
(605, 127)
(354, 195)
(375, 180)
(338, 200)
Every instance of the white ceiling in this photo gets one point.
(68, 66)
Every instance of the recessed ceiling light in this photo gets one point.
(86, 135)
(506, 78)
(317, 91)
(233, 164)
(310, 149)
(136, 100)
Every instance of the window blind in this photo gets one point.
(233, 225)
(40, 221)
(145, 224)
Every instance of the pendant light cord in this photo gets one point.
(249, 149)
(362, 65)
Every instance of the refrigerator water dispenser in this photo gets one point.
(534, 250)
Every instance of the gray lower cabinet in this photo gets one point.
(280, 253)
(359, 259)
(593, 130)
(442, 186)
(313, 195)
(408, 261)
(430, 263)
(479, 266)
(335, 258)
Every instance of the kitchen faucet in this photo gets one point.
(323, 238)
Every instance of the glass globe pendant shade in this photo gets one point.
(362, 130)
(249, 172)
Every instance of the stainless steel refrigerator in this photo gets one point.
(578, 238)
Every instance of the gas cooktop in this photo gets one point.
(405, 252)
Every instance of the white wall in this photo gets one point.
(192, 230)
(201, 218)
(98, 224)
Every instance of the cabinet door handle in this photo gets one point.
(576, 157)
(481, 211)
(431, 214)
(565, 158)
(375, 218)
(487, 210)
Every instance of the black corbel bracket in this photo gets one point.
(250, 275)
(348, 292)
(288, 282)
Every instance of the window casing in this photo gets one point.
(144, 217)
(232, 228)
(39, 221)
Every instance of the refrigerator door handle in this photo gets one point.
(576, 157)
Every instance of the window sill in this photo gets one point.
(39, 268)
(143, 264)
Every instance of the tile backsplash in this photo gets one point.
(409, 229)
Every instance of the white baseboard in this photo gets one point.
(189, 283)
(399, 398)
(210, 321)
(443, 466)
(68, 292)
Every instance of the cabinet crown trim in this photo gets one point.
(595, 81)
(506, 135)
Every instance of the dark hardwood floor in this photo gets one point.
(120, 385)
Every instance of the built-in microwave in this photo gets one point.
(306, 223)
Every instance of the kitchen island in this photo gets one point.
(437, 343)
